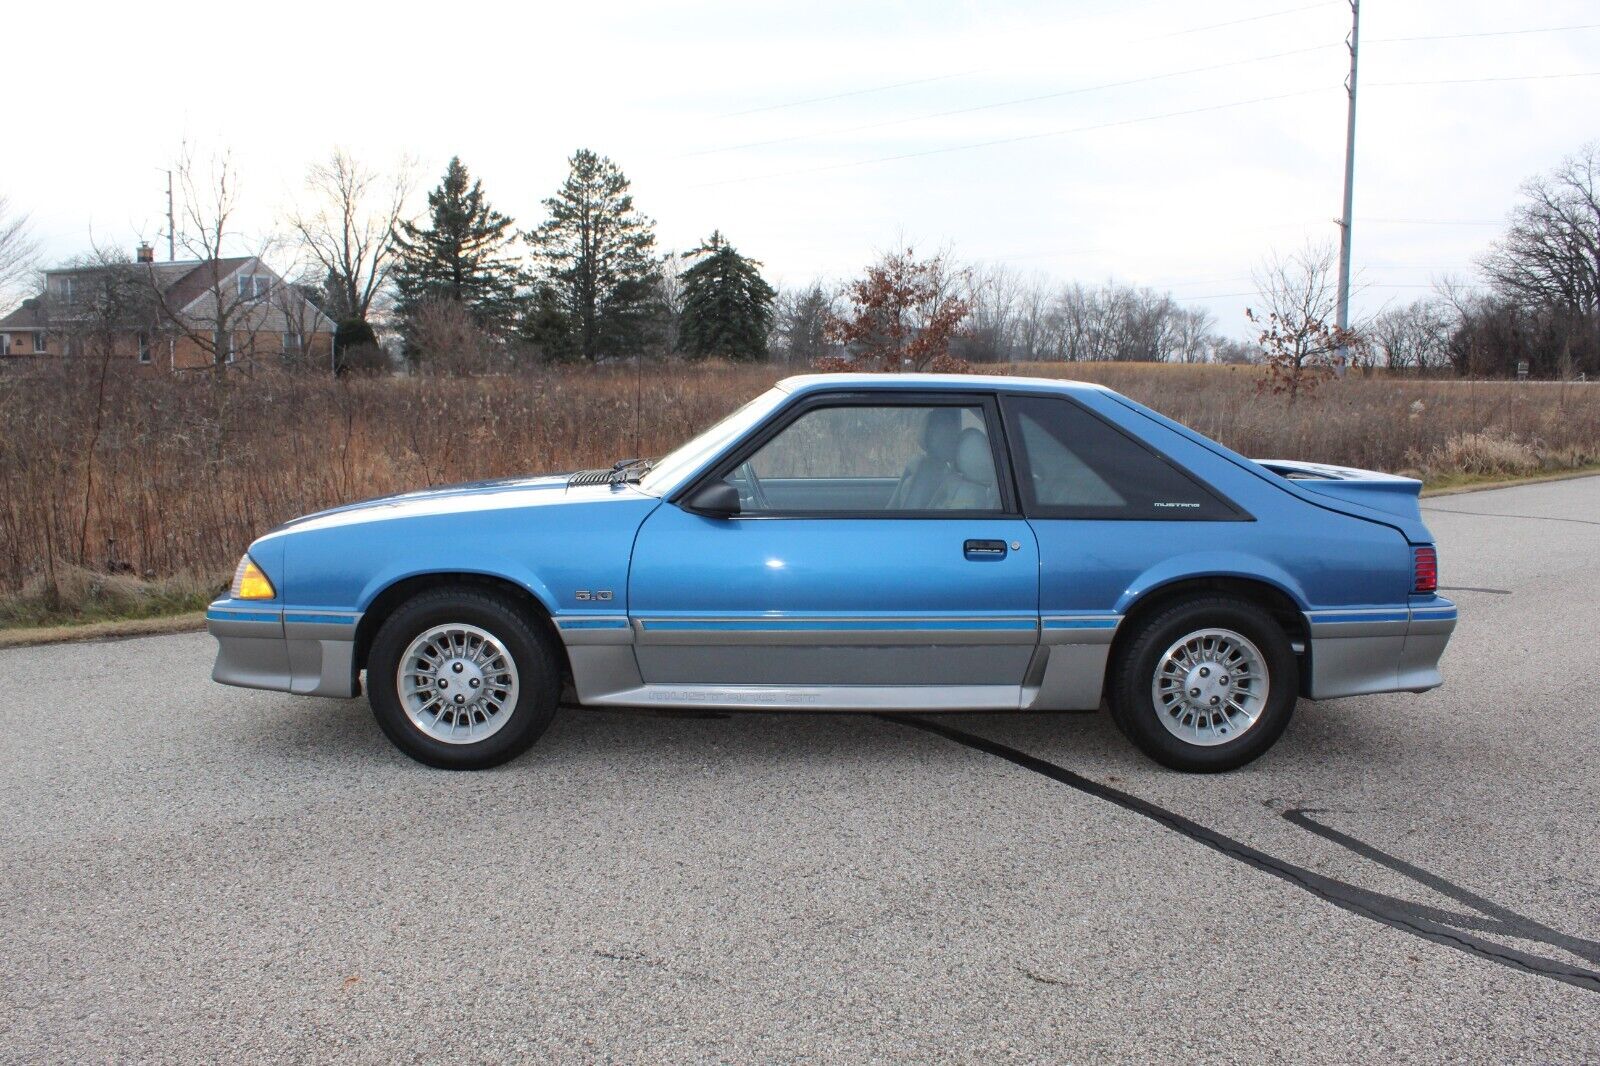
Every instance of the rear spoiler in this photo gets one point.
(1389, 493)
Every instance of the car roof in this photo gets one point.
(804, 383)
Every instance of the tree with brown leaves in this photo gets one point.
(903, 314)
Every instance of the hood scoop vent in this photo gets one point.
(590, 477)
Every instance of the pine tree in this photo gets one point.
(595, 250)
(462, 255)
(727, 305)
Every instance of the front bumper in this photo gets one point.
(310, 652)
(1364, 650)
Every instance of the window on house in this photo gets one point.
(144, 348)
(253, 286)
(233, 348)
(39, 340)
(5, 344)
(67, 345)
(291, 344)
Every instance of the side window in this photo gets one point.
(1073, 465)
(853, 459)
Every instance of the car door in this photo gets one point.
(878, 547)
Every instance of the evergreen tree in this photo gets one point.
(727, 305)
(547, 326)
(595, 250)
(461, 255)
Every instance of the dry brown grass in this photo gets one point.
(157, 477)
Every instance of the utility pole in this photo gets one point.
(1354, 42)
(172, 223)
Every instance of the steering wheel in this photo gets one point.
(758, 495)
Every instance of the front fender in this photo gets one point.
(495, 566)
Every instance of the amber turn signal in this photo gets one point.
(249, 583)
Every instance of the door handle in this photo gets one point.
(984, 549)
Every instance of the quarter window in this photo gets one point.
(869, 459)
(1073, 465)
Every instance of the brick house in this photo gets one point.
(171, 316)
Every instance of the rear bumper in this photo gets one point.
(1361, 651)
(311, 653)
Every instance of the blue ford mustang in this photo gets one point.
(862, 542)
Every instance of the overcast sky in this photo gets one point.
(814, 134)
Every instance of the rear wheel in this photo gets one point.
(459, 679)
(1206, 685)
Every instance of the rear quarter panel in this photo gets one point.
(1319, 557)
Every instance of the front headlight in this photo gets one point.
(249, 583)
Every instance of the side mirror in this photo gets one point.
(716, 500)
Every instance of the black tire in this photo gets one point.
(537, 667)
(1134, 706)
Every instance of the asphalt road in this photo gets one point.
(188, 870)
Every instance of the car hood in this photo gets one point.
(495, 494)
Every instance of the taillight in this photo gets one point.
(1427, 570)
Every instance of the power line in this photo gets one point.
(853, 92)
(1012, 140)
(1011, 103)
(1252, 18)
(979, 70)
(1490, 33)
(1479, 81)
(1435, 221)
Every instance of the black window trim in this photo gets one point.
(1034, 510)
(788, 414)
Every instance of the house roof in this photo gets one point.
(181, 284)
(196, 282)
(29, 316)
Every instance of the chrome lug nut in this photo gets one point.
(456, 668)
(474, 683)
(460, 698)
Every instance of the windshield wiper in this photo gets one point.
(630, 469)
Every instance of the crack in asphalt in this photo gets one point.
(1528, 517)
(1435, 924)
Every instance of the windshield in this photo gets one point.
(685, 459)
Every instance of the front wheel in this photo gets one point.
(1206, 685)
(458, 679)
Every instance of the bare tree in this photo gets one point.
(1547, 266)
(994, 294)
(19, 252)
(232, 309)
(348, 231)
(1298, 298)
(1414, 337)
(1551, 253)
(801, 323)
(1193, 334)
